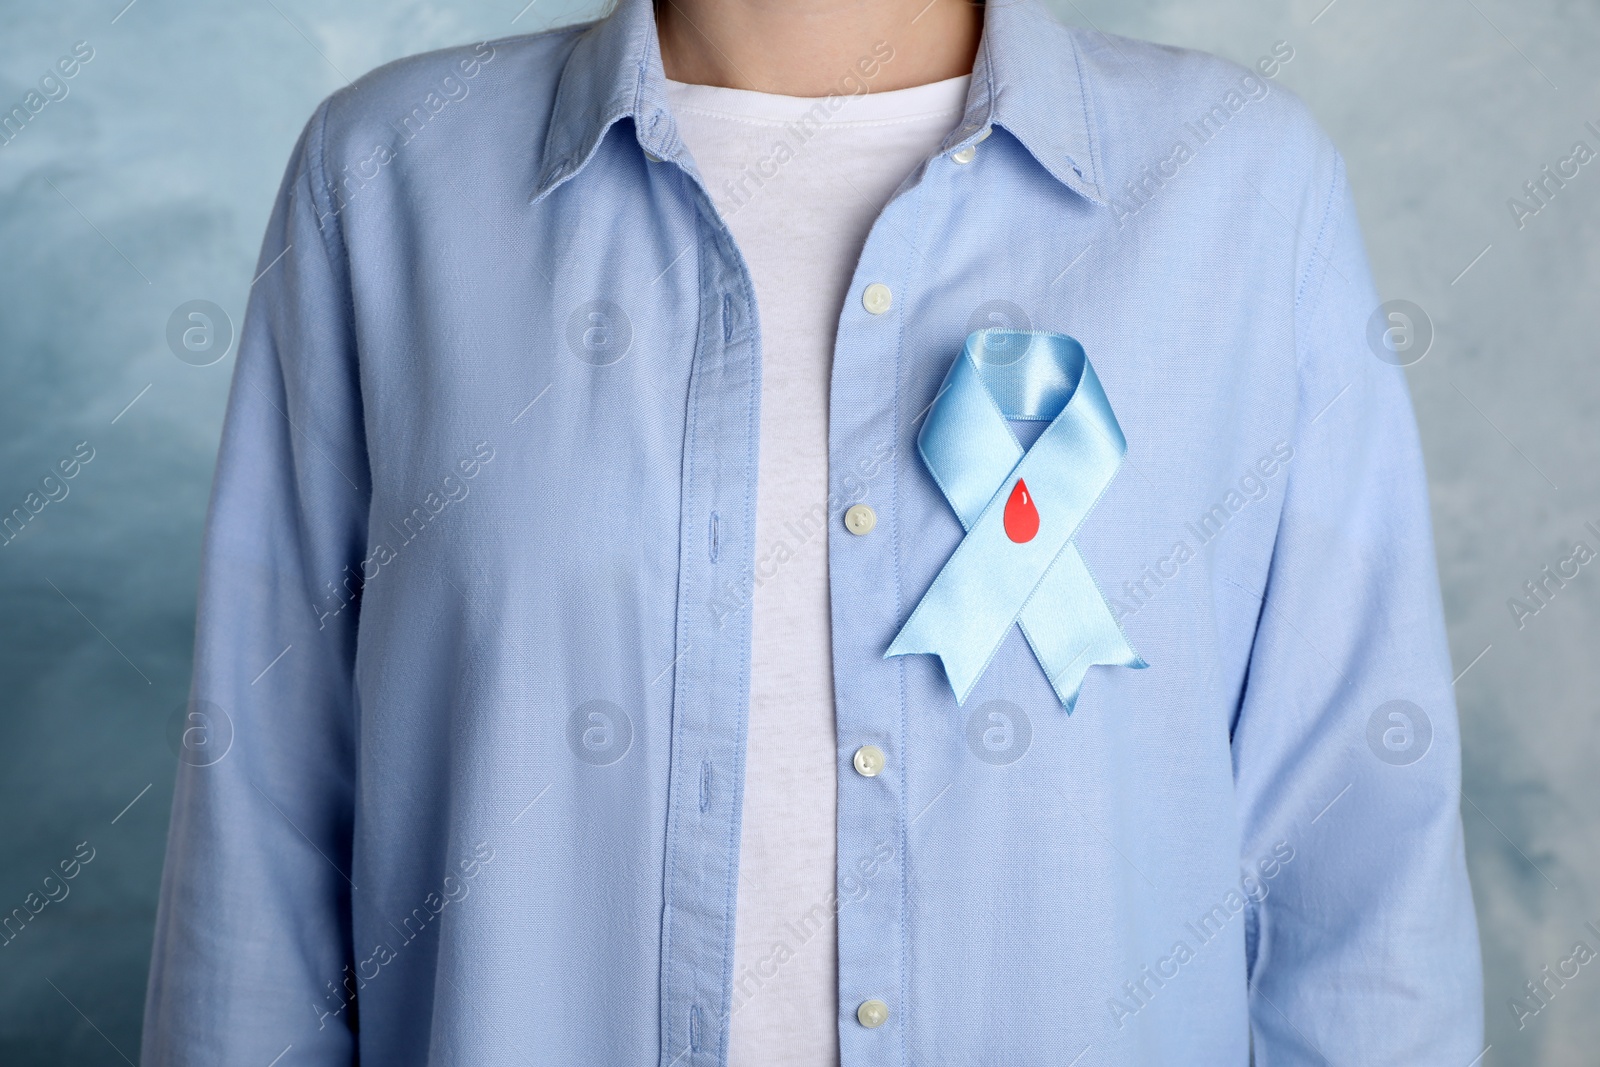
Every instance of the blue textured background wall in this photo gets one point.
(148, 186)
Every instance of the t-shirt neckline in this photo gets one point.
(932, 98)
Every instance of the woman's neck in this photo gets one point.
(817, 47)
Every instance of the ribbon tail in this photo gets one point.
(962, 653)
(1071, 628)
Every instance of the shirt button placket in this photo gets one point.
(701, 866)
(861, 568)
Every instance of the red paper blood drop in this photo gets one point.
(1021, 517)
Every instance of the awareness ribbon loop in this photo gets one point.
(1020, 509)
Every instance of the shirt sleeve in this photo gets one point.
(253, 921)
(1364, 947)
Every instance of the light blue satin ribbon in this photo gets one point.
(992, 580)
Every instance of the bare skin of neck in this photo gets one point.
(809, 47)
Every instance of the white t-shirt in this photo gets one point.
(800, 182)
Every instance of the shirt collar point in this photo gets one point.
(1085, 184)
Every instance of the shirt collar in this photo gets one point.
(1027, 79)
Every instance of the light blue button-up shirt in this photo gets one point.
(461, 781)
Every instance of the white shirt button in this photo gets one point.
(869, 761)
(872, 1014)
(860, 520)
(876, 298)
(969, 153)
